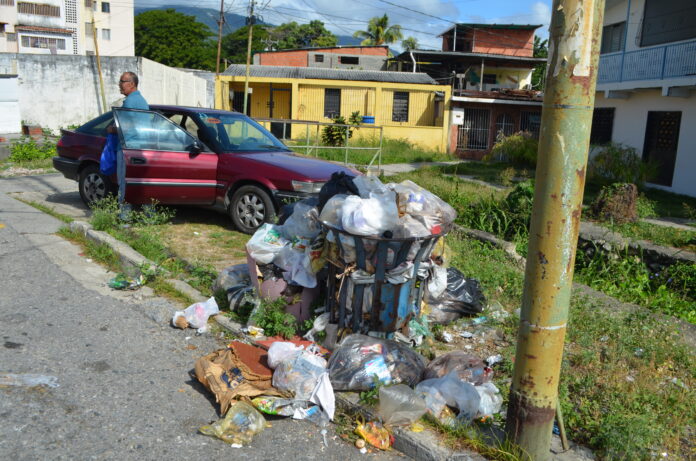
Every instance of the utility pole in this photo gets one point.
(248, 61)
(96, 53)
(575, 34)
(221, 21)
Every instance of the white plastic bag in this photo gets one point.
(331, 214)
(281, 351)
(196, 315)
(367, 184)
(303, 223)
(296, 265)
(454, 392)
(266, 243)
(318, 325)
(370, 216)
(423, 205)
(491, 400)
(400, 405)
(232, 276)
(438, 281)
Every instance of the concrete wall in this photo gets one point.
(305, 58)
(510, 42)
(10, 120)
(630, 120)
(57, 91)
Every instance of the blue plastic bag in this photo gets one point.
(107, 162)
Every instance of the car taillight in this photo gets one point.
(60, 143)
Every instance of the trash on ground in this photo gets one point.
(237, 371)
(299, 373)
(461, 297)
(491, 400)
(375, 434)
(239, 426)
(27, 380)
(313, 414)
(121, 282)
(450, 391)
(319, 325)
(468, 368)
(278, 406)
(493, 359)
(196, 315)
(400, 405)
(358, 359)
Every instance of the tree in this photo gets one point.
(234, 45)
(292, 35)
(541, 50)
(379, 32)
(174, 39)
(410, 43)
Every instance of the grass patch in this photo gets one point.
(494, 172)
(97, 251)
(661, 235)
(478, 439)
(167, 290)
(393, 151)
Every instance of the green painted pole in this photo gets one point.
(574, 41)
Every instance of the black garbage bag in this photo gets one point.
(463, 296)
(340, 183)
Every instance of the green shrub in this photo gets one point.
(271, 316)
(25, 151)
(619, 163)
(105, 214)
(646, 208)
(336, 135)
(520, 149)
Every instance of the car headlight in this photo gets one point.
(307, 187)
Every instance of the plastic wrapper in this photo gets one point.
(423, 205)
(437, 284)
(196, 315)
(375, 434)
(461, 297)
(296, 265)
(400, 405)
(491, 400)
(299, 374)
(368, 184)
(239, 426)
(358, 359)
(278, 406)
(339, 183)
(453, 392)
(233, 276)
(331, 214)
(266, 243)
(318, 325)
(467, 367)
(303, 223)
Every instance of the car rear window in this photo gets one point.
(97, 126)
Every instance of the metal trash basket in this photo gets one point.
(393, 304)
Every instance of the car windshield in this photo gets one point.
(236, 133)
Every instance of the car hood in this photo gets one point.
(306, 167)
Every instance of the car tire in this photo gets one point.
(250, 207)
(94, 185)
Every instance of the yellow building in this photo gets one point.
(408, 106)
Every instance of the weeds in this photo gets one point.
(48, 210)
(619, 163)
(520, 149)
(371, 396)
(271, 316)
(29, 150)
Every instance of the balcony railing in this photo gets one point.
(656, 63)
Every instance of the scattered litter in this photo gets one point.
(468, 347)
(360, 443)
(491, 400)
(466, 334)
(630, 378)
(450, 391)
(604, 339)
(479, 320)
(359, 358)
(493, 359)
(417, 427)
(638, 352)
(299, 374)
(254, 331)
(27, 380)
(196, 233)
(121, 282)
(196, 315)
(278, 406)
(323, 433)
(466, 366)
(239, 426)
(375, 434)
(399, 405)
(447, 337)
(461, 297)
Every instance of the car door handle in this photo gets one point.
(138, 161)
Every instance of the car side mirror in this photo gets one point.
(195, 148)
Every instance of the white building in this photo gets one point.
(67, 27)
(646, 88)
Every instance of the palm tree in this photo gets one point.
(379, 32)
(409, 43)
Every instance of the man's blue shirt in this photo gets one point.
(135, 100)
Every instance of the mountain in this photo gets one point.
(209, 17)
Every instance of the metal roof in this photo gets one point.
(239, 70)
(405, 56)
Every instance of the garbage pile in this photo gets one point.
(292, 381)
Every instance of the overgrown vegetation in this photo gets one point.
(520, 149)
(619, 163)
(27, 150)
(271, 316)
(336, 135)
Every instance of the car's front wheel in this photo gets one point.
(94, 185)
(250, 207)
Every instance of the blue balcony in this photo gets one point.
(655, 63)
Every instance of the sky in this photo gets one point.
(422, 19)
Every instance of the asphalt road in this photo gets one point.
(124, 389)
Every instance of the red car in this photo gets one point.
(193, 156)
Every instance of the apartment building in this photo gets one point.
(647, 84)
(67, 27)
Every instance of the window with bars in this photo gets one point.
(6, 2)
(613, 37)
(602, 125)
(39, 9)
(11, 36)
(106, 7)
(530, 122)
(473, 133)
(400, 107)
(318, 58)
(504, 125)
(332, 102)
(31, 41)
(354, 60)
